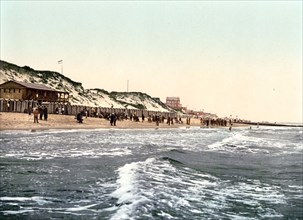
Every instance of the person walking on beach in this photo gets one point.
(40, 112)
(157, 118)
(45, 113)
(113, 119)
(36, 113)
(79, 117)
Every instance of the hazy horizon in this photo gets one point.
(230, 58)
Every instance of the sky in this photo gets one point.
(233, 58)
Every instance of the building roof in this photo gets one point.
(33, 86)
(173, 98)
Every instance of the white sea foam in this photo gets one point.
(165, 215)
(144, 182)
(147, 183)
(23, 199)
(80, 208)
(128, 193)
(20, 199)
(245, 142)
(10, 212)
(35, 199)
(126, 180)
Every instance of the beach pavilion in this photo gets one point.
(13, 93)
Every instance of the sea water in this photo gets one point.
(184, 173)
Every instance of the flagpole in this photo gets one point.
(61, 62)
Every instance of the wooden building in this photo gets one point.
(16, 90)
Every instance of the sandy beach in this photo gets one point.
(22, 121)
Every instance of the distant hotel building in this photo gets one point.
(173, 102)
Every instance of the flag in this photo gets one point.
(60, 61)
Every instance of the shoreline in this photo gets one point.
(23, 121)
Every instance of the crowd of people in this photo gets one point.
(114, 117)
(41, 113)
(214, 122)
